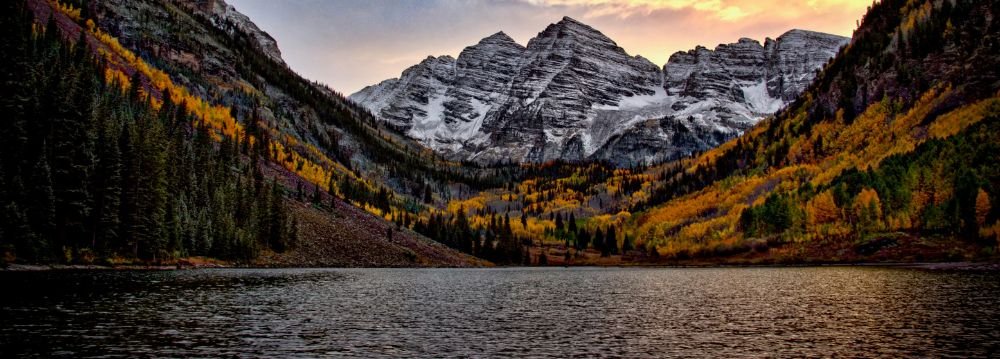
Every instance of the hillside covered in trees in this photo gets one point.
(890, 155)
(107, 160)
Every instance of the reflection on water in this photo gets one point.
(844, 312)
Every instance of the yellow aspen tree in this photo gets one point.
(868, 209)
(982, 207)
(822, 209)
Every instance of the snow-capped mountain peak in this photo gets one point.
(572, 93)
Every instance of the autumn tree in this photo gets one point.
(868, 210)
(822, 209)
(982, 207)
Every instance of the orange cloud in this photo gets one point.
(724, 10)
(350, 44)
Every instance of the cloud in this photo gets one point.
(350, 44)
(723, 10)
(627, 8)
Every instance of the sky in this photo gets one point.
(349, 44)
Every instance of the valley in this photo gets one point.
(146, 132)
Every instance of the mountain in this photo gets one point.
(223, 14)
(888, 155)
(498, 95)
(573, 94)
(711, 96)
(151, 131)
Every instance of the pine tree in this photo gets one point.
(15, 88)
(152, 189)
(15, 230)
(72, 159)
(41, 204)
(107, 191)
(135, 91)
(507, 231)
(128, 210)
(463, 232)
(601, 240)
(316, 197)
(51, 31)
(627, 244)
(582, 239)
(172, 227)
(279, 228)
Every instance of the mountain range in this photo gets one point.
(156, 131)
(573, 94)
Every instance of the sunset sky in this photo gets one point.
(349, 44)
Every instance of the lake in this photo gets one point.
(537, 312)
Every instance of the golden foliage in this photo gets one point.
(867, 198)
(952, 122)
(982, 207)
(119, 78)
(304, 160)
(67, 9)
(822, 209)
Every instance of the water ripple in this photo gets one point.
(551, 312)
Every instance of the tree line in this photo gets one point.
(92, 171)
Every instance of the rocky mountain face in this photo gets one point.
(225, 16)
(573, 94)
(216, 53)
(713, 95)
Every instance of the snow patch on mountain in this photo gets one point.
(759, 101)
(658, 96)
(430, 127)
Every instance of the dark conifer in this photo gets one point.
(107, 190)
(41, 204)
(571, 227)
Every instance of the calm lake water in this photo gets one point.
(725, 312)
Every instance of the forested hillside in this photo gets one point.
(331, 143)
(889, 155)
(106, 159)
(94, 168)
(891, 152)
